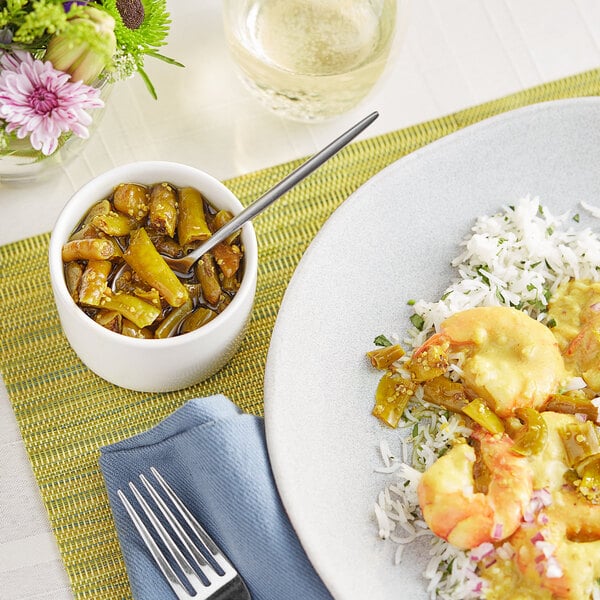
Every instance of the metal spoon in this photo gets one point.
(182, 265)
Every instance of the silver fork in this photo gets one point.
(211, 576)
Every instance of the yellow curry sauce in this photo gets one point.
(507, 583)
(576, 310)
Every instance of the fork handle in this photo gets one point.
(233, 590)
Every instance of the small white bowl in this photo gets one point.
(152, 365)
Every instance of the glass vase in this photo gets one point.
(20, 163)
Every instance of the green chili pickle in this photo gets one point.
(116, 273)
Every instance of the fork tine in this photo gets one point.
(163, 564)
(198, 530)
(210, 572)
(182, 562)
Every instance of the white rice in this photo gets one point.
(517, 257)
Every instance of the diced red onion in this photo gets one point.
(575, 383)
(544, 495)
(539, 499)
(482, 551)
(538, 537)
(505, 552)
(532, 509)
(553, 569)
(497, 534)
(546, 548)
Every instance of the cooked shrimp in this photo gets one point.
(510, 359)
(465, 517)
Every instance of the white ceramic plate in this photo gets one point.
(389, 242)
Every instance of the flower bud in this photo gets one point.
(84, 61)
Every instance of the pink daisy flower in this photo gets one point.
(39, 101)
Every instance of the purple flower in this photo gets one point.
(67, 5)
(39, 101)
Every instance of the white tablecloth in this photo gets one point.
(457, 53)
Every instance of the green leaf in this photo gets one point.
(482, 275)
(159, 56)
(148, 83)
(381, 340)
(417, 321)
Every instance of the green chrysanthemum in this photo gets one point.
(141, 26)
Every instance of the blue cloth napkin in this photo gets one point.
(215, 458)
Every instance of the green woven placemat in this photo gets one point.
(66, 413)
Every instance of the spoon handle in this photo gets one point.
(281, 188)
